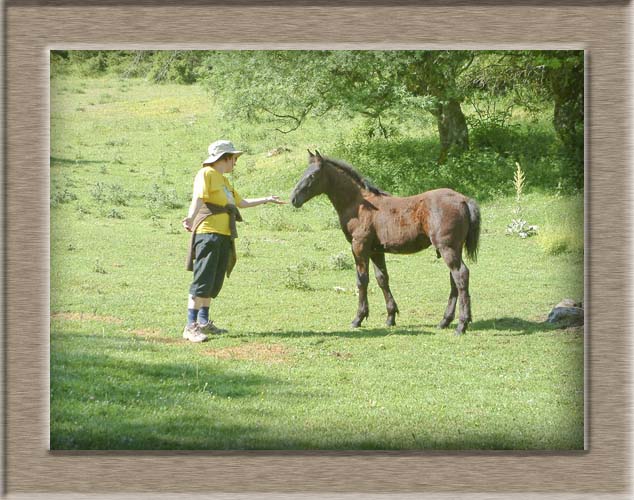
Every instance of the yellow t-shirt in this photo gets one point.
(213, 187)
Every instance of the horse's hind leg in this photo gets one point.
(450, 312)
(460, 275)
(382, 278)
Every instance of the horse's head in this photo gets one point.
(312, 182)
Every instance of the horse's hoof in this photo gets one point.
(460, 329)
(355, 324)
(444, 324)
(390, 322)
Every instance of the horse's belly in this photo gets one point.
(412, 244)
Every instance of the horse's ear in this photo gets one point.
(318, 154)
(309, 153)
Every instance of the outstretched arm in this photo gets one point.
(254, 202)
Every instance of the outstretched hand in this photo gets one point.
(276, 200)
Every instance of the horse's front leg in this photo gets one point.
(361, 259)
(382, 278)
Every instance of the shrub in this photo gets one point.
(341, 261)
(59, 197)
(295, 278)
(118, 195)
(102, 192)
(561, 239)
(113, 213)
(409, 166)
(406, 165)
(98, 192)
(88, 62)
(157, 199)
(177, 66)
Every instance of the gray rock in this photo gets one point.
(569, 303)
(567, 313)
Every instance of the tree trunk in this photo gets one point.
(452, 128)
(567, 87)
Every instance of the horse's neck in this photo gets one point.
(345, 194)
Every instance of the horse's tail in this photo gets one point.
(473, 235)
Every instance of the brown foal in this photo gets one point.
(375, 222)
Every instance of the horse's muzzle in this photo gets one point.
(295, 201)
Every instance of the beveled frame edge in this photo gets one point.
(586, 227)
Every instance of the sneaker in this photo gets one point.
(209, 327)
(193, 333)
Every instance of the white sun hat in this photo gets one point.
(218, 148)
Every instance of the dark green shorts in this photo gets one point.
(210, 265)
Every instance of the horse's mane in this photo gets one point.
(351, 172)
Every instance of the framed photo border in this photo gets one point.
(32, 28)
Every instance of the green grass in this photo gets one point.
(290, 374)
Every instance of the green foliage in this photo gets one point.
(558, 241)
(286, 88)
(113, 213)
(178, 66)
(158, 66)
(296, 277)
(61, 196)
(341, 261)
(562, 231)
(409, 166)
(157, 199)
(114, 193)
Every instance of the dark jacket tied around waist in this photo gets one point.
(212, 209)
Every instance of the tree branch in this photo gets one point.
(298, 121)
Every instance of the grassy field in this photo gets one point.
(290, 374)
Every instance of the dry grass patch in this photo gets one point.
(252, 351)
(81, 316)
(156, 335)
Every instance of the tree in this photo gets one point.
(435, 74)
(564, 71)
(554, 75)
(288, 86)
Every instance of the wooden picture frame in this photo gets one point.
(34, 27)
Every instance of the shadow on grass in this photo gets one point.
(104, 396)
(501, 327)
(66, 162)
(469, 443)
(351, 333)
(517, 326)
